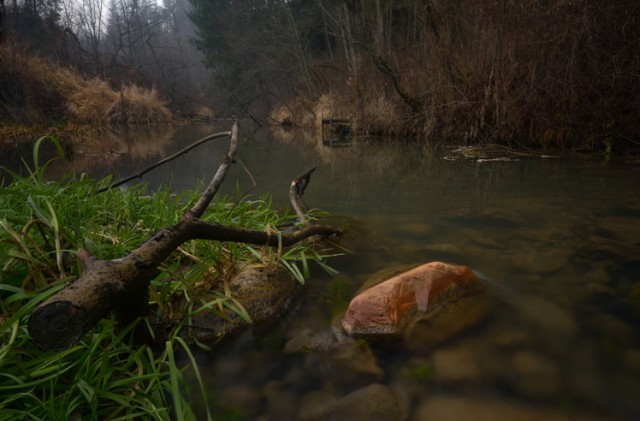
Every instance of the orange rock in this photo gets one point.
(386, 309)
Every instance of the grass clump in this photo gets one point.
(135, 105)
(90, 102)
(42, 224)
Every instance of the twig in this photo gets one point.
(198, 209)
(164, 161)
(298, 186)
(243, 195)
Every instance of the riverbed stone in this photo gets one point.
(411, 379)
(451, 251)
(535, 375)
(240, 398)
(448, 323)
(373, 402)
(315, 402)
(622, 227)
(598, 291)
(484, 243)
(416, 229)
(510, 338)
(544, 314)
(386, 309)
(599, 273)
(610, 326)
(443, 407)
(632, 359)
(281, 400)
(307, 341)
(348, 364)
(456, 365)
(495, 217)
(635, 297)
(537, 261)
(502, 216)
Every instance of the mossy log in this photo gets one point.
(263, 292)
(122, 285)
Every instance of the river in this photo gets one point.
(558, 239)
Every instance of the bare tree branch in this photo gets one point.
(298, 186)
(165, 160)
(213, 187)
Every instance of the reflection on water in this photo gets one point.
(558, 239)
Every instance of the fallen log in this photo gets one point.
(122, 285)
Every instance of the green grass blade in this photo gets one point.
(174, 376)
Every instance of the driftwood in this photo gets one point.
(122, 285)
(298, 186)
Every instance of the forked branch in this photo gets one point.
(122, 285)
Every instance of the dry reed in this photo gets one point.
(34, 91)
(135, 105)
(554, 74)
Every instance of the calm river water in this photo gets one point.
(558, 239)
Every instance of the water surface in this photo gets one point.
(558, 239)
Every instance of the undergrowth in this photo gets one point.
(42, 224)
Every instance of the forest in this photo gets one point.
(556, 74)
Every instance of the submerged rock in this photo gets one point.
(389, 308)
(614, 328)
(281, 399)
(635, 297)
(345, 361)
(374, 402)
(260, 291)
(448, 322)
(454, 408)
(240, 398)
(456, 365)
(542, 262)
(307, 341)
(544, 314)
(535, 376)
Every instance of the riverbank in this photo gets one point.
(39, 97)
(107, 373)
(457, 71)
(36, 93)
(19, 133)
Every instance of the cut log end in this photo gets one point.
(57, 325)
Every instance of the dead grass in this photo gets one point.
(299, 112)
(136, 105)
(495, 72)
(382, 114)
(204, 111)
(31, 89)
(37, 92)
(18, 132)
(91, 101)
